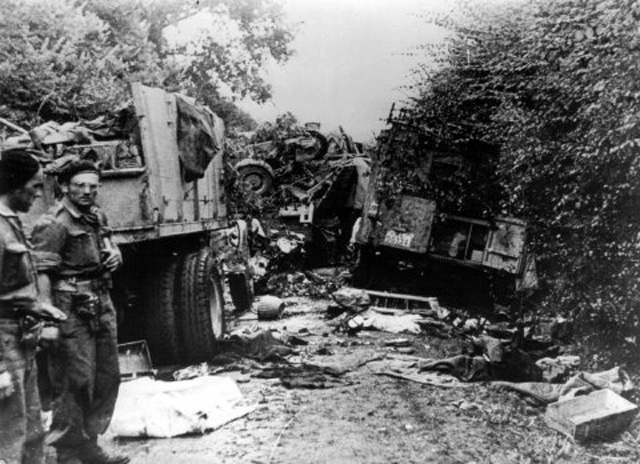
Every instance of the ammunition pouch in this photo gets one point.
(30, 330)
(30, 325)
(85, 301)
(86, 306)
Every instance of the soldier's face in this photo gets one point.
(22, 198)
(82, 189)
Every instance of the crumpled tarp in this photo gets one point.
(120, 124)
(508, 364)
(262, 346)
(191, 372)
(558, 369)
(463, 367)
(409, 369)
(371, 320)
(200, 137)
(352, 298)
(51, 133)
(303, 376)
(615, 379)
(150, 408)
(404, 323)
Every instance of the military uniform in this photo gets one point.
(83, 366)
(21, 432)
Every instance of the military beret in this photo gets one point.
(17, 166)
(76, 167)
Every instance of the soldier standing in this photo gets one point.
(21, 432)
(76, 258)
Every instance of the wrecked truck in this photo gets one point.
(162, 191)
(313, 184)
(473, 261)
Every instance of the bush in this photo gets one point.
(556, 86)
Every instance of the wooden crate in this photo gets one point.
(598, 415)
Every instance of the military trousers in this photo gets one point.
(84, 373)
(21, 431)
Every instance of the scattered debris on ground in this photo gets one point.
(397, 385)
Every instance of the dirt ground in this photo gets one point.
(365, 418)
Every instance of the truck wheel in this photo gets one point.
(241, 289)
(159, 314)
(255, 178)
(202, 307)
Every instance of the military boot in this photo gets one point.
(67, 456)
(92, 453)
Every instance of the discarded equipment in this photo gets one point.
(597, 415)
(270, 307)
(411, 303)
(134, 360)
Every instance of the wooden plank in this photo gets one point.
(403, 296)
(156, 111)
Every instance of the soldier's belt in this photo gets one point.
(78, 284)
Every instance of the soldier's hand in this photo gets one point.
(49, 336)
(112, 259)
(6, 385)
(51, 312)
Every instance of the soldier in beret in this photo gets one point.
(75, 260)
(21, 316)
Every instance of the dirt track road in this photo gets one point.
(368, 418)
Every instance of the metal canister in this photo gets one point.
(270, 307)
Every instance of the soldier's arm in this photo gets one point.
(6, 384)
(44, 288)
(48, 238)
(113, 256)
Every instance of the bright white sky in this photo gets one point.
(350, 61)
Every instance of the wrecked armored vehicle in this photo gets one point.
(162, 191)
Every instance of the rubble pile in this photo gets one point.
(305, 283)
(306, 187)
(528, 351)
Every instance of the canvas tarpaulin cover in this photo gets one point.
(153, 408)
(200, 137)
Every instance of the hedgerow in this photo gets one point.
(554, 86)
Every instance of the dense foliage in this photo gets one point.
(64, 59)
(555, 86)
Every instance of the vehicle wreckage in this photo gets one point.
(162, 190)
(483, 258)
(312, 185)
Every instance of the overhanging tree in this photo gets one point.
(64, 59)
